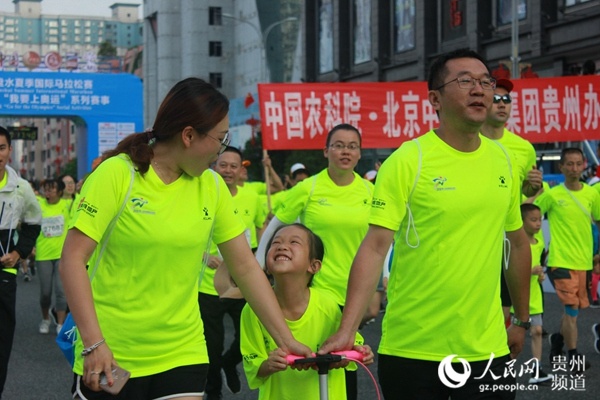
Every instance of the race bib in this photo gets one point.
(53, 226)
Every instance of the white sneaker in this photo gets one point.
(58, 328)
(45, 326)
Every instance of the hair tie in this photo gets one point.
(150, 135)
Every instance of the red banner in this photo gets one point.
(299, 116)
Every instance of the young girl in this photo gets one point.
(293, 257)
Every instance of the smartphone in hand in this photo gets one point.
(120, 377)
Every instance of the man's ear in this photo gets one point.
(315, 266)
(434, 99)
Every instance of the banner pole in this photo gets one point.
(267, 181)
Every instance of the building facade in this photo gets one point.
(34, 41)
(235, 45)
(396, 40)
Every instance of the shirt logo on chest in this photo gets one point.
(439, 184)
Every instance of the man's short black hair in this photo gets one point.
(4, 132)
(438, 70)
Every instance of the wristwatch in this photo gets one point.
(517, 322)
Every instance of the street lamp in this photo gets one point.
(263, 36)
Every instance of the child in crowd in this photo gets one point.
(293, 257)
(532, 223)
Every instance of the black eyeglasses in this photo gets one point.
(224, 142)
(506, 99)
(466, 82)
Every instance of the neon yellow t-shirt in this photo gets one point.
(339, 215)
(146, 285)
(55, 219)
(444, 288)
(248, 207)
(571, 241)
(522, 150)
(257, 187)
(320, 320)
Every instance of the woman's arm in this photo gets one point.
(76, 253)
(258, 293)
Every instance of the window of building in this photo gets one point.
(64, 38)
(9, 21)
(214, 49)
(52, 39)
(454, 23)
(77, 31)
(216, 79)
(569, 3)
(87, 23)
(53, 31)
(77, 23)
(53, 47)
(214, 16)
(404, 26)
(504, 16)
(63, 22)
(361, 26)
(53, 24)
(325, 38)
(10, 29)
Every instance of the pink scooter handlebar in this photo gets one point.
(332, 357)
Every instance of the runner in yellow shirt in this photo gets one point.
(447, 198)
(140, 309)
(55, 218)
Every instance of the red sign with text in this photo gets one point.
(297, 116)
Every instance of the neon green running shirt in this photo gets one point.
(320, 320)
(339, 215)
(444, 285)
(55, 218)
(571, 241)
(146, 285)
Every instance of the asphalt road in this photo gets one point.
(38, 371)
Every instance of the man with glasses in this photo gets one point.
(447, 197)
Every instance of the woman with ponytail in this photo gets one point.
(145, 218)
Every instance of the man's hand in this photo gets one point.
(10, 260)
(516, 339)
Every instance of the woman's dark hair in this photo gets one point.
(345, 127)
(315, 244)
(191, 102)
(55, 182)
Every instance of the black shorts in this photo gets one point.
(406, 379)
(189, 380)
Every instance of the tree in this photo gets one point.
(107, 49)
(282, 160)
(70, 169)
